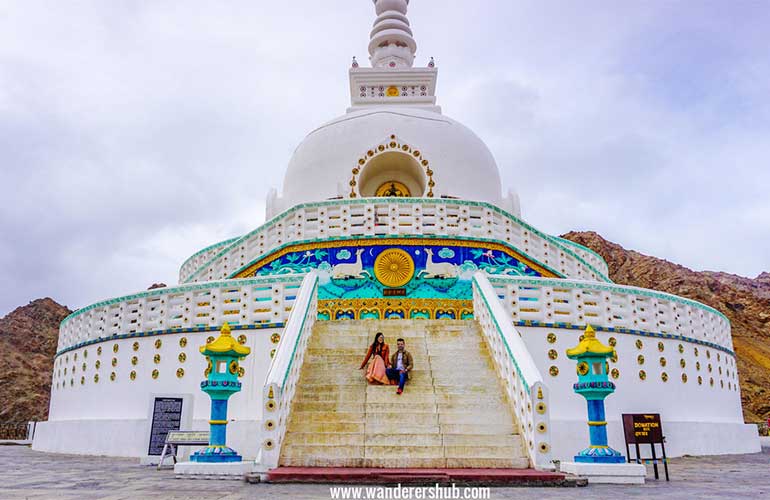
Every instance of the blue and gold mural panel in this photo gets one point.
(410, 268)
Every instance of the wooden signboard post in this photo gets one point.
(645, 428)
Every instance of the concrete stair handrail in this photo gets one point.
(284, 371)
(527, 393)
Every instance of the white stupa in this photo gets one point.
(392, 218)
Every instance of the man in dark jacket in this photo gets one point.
(400, 365)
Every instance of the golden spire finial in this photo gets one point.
(225, 330)
(589, 333)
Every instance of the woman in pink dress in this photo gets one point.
(379, 352)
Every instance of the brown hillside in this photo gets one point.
(28, 337)
(745, 301)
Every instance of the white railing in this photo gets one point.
(284, 372)
(238, 302)
(588, 255)
(201, 257)
(523, 382)
(611, 306)
(390, 217)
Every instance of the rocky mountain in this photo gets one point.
(745, 301)
(28, 337)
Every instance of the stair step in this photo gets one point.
(492, 429)
(335, 438)
(400, 428)
(491, 463)
(343, 427)
(301, 417)
(404, 440)
(323, 451)
(403, 451)
(409, 418)
(411, 463)
(483, 452)
(513, 440)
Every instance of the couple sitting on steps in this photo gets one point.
(386, 369)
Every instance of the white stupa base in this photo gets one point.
(607, 473)
(203, 470)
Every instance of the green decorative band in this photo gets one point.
(399, 201)
(588, 285)
(628, 331)
(170, 331)
(157, 292)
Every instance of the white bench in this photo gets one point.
(175, 439)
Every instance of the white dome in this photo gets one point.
(429, 146)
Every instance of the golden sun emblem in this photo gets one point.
(394, 267)
(393, 189)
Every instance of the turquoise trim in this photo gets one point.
(301, 329)
(169, 331)
(608, 288)
(185, 288)
(432, 201)
(405, 237)
(578, 245)
(500, 332)
(210, 247)
(627, 331)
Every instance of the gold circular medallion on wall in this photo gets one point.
(209, 339)
(639, 344)
(664, 377)
(83, 381)
(681, 348)
(275, 338)
(182, 357)
(696, 352)
(183, 342)
(114, 361)
(85, 354)
(642, 374)
(661, 347)
(99, 351)
(708, 354)
(112, 376)
(156, 358)
(155, 373)
(615, 373)
(697, 365)
(97, 364)
(241, 371)
(96, 378)
(392, 189)
(84, 367)
(134, 360)
(582, 368)
(684, 378)
(272, 352)
(136, 346)
(180, 372)
(158, 343)
(640, 359)
(393, 267)
(132, 375)
(682, 363)
(551, 338)
(241, 339)
(700, 380)
(612, 341)
(392, 91)
(553, 370)
(662, 361)
(115, 348)
(552, 354)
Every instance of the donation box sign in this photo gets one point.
(642, 428)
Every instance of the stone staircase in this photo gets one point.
(453, 413)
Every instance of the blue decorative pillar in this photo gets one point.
(221, 382)
(594, 385)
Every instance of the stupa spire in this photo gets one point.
(391, 44)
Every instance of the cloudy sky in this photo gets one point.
(133, 133)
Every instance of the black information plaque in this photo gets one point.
(166, 416)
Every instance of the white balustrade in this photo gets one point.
(284, 371)
(238, 302)
(527, 393)
(393, 217)
(610, 306)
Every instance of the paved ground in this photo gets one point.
(29, 474)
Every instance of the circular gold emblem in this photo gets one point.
(392, 91)
(393, 189)
(582, 368)
(393, 267)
